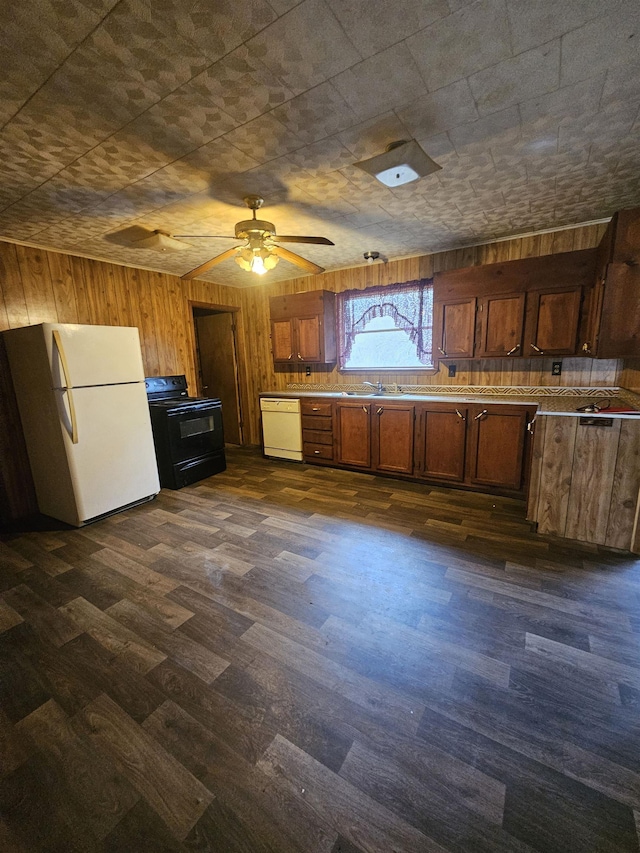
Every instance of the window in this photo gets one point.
(386, 327)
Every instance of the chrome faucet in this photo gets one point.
(379, 387)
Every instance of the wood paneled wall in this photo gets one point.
(521, 371)
(38, 286)
(630, 376)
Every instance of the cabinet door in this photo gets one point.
(454, 328)
(354, 434)
(501, 325)
(496, 452)
(282, 340)
(309, 334)
(442, 438)
(393, 429)
(552, 322)
(618, 335)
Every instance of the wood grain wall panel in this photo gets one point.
(535, 476)
(594, 462)
(626, 487)
(12, 286)
(36, 283)
(64, 293)
(80, 289)
(630, 376)
(556, 474)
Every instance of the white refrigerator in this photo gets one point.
(85, 416)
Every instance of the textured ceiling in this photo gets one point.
(166, 114)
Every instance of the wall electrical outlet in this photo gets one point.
(556, 368)
(452, 370)
(307, 370)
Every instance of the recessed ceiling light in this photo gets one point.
(401, 163)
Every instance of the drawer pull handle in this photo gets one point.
(514, 349)
(460, 415)
(531, 427)
(299, 356)
(365, 408)
(316, 452)
(289, 357)
(441, 350)
(315, 409)
(481, 415)
(380, 411)
(537, 349)
(586, 347)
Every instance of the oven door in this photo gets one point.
(194, 432)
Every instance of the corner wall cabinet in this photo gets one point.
(303, 328)
(613, 322)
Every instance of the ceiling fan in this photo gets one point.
(260, 251)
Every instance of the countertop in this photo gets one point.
(548, 404)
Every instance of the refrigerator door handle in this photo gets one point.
(65, 370)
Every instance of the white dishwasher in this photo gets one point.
(281, 428)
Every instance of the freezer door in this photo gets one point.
(113, 462)
(93, 355)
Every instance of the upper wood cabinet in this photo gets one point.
(454, 322)
(303, 328)
(612, 329)
(501, 325)
(517, 308)
(553, 319)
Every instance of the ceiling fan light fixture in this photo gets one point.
(400, 164)
(257, 260)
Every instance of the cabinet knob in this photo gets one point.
(537, 349)
(586, 347)
(481, 415)
(460, 415)
(514, 349)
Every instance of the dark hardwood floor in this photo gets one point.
(296, 659)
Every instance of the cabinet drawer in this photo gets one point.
(317, 451)
(316, 436)
(313, 407)
(317, 423)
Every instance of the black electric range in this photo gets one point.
(187, 431)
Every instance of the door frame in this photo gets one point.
(242, 383)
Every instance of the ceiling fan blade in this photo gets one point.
(207, 266)
(208, 236)
(286, 255)
(320, 241)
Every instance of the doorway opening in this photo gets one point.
(217, 364)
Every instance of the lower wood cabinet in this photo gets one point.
(498, 449)
(482, 447)
(353, 437)
(376, 436)
(441, 444)
(317, 430)
(485, 448)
